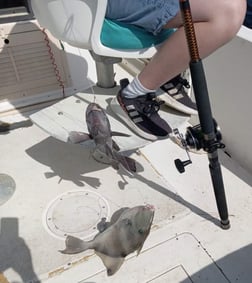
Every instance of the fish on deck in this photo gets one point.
(126, 233)
(106, 150)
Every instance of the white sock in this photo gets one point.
(135, 88)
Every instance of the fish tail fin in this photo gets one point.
(127, 162)
(116, 157)
(75, 245)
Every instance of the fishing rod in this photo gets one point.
(206, 135)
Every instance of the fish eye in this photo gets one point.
(129, 222)
(140, 231)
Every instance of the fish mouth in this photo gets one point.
(150, 207)
(95, 107)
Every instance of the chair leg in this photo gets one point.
(105, 70)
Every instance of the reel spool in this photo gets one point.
(194, 139)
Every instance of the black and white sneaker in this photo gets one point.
(175, 95)
(141, 114)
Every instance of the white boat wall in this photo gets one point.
(228, 73)
(35, 67)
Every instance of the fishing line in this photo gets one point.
(90, 84)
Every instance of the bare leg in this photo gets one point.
(216, 23)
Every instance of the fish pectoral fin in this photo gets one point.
(78, 137)
(108, 150)
(111, 263)
(119, 134)
(111, 155)
(139, 249)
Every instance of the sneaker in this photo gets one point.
(176, 95)
(141, 114)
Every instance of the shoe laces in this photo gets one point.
(182, 83)
(150, 106)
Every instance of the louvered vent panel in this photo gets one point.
(26, 65)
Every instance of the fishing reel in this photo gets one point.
(194, 140)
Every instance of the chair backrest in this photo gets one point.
(100, 49)
(80, 23)
(71, 21)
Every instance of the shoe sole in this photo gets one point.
(123, 116)
(169, 101)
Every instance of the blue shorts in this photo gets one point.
(151, 15)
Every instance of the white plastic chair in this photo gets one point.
(79, 23)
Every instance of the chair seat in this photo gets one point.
(124, 36)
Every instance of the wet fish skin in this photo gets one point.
(126, 235)
(106, 150)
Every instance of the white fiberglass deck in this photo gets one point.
(185, 245)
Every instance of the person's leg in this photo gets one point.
(213, 29)
(216, 23)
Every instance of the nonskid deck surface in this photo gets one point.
(61, 190)
(55, 182)
(168, 261)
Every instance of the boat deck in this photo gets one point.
(60, 189)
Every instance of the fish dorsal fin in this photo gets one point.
(141, 246)
(78, 137)
(111, 263)
(114, 133)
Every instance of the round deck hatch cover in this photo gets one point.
(76, 213)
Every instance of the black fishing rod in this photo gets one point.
(206, 135)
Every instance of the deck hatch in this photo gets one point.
(76, 213)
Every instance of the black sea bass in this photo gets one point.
(106, 150)
(125, 234)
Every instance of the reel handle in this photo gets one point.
(180, 165)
